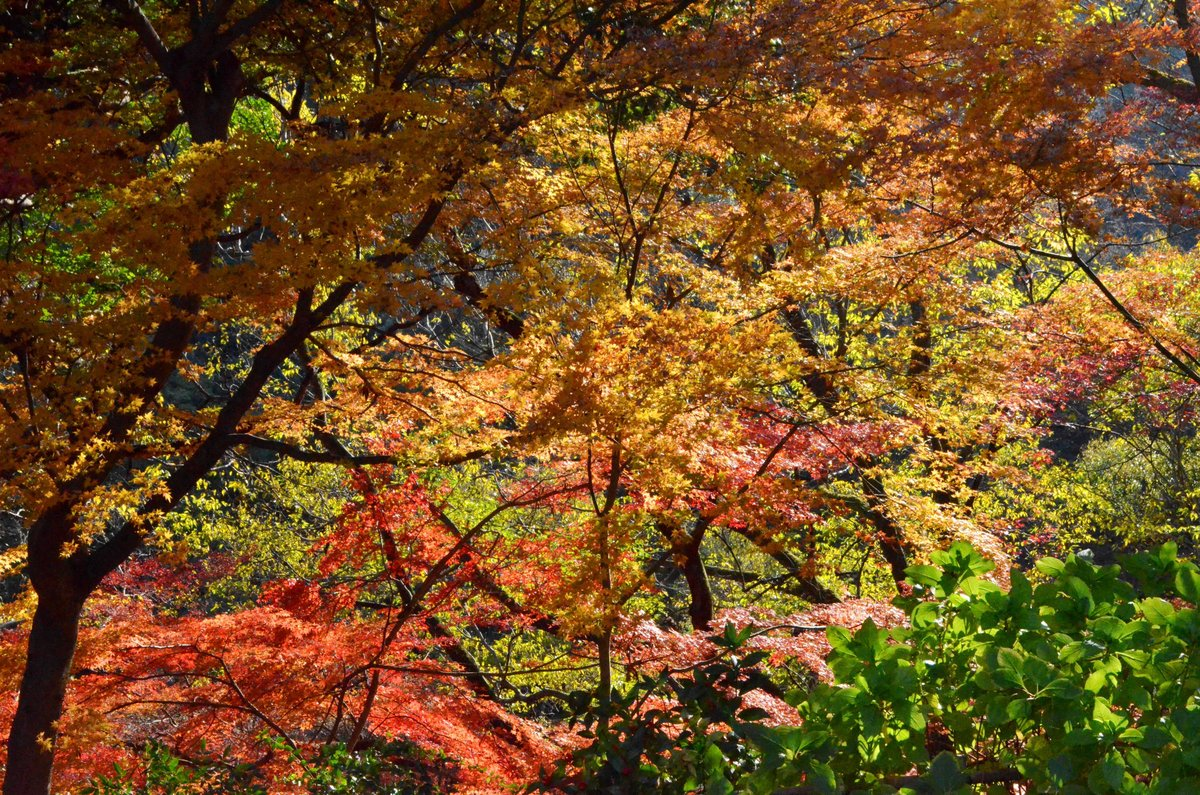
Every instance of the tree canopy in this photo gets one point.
(386, 384)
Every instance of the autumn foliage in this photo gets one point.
(391, 389)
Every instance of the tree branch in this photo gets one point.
(246, 24)
(297, 453)
(137, 21)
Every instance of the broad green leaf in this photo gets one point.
(944, 776)
(1051, 567)
(1187, 583)
(1157, 611)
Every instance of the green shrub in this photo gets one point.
(1083, 682)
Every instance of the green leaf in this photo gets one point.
(1113, 770)
(1097, 681)
(718, 785)
(731, 637)
(791, 739)
(1077, 650)
(944, 775)
(923, 575)
(1133, 735)
(1154, 738)
(1157, 611)
(925, 615)
(1021, 591)
(1009, 667)
(838, 637)
(1187, 583)
(753, 714)
(872, 721)
(911, 715)
(1080, 738)
(1016, 709)
(1061, 770)
(1051, 567)
(1103, 714)
(822, 778)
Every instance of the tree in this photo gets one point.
(663, 271)
(147, 220)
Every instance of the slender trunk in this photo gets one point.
(604, 689)
(701, 606)
(604, 698)
(43, 688)
(891, 539)
(892, 549)
(687, 550)
(368, 703)
(604, 642)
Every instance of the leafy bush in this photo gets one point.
(167, 774)
(1082, 682)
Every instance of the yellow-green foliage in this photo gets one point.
(1127, 490)
(266, 516)
(538, 662)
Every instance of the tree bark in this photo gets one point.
(687, 550)
(700, 607)
(809, 588)
(891, 539)
(43, 688)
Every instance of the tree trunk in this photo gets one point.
(43, 688)
(891, 540)
(700, 607)
(806, 587)
(687, 548)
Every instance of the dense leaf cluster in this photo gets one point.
(1081, 681)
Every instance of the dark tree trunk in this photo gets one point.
(685, 548)
(892, 549)
(43, 687)
(457, 653)
(809, 588)
(891, 539)
(700, 608)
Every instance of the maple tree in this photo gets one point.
(153, 221)
(393, 328)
